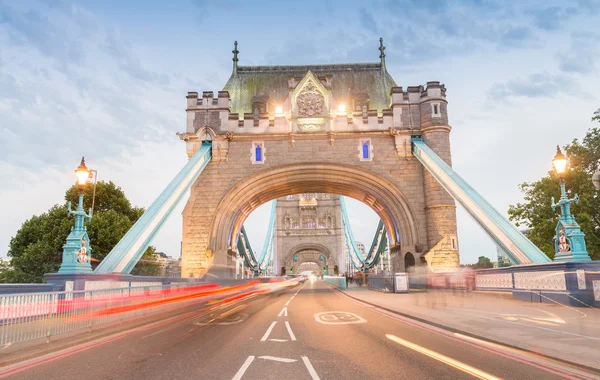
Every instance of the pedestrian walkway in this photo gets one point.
(555, 330)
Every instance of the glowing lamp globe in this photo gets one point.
(82, 173)
(341, 109)
(559, 162)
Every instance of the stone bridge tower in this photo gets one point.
(309, 229)
(338, 129)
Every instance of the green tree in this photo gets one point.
(482, 263)
(36, 248)
(535, 212)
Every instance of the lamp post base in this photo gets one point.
(75, 268)
(572, 256)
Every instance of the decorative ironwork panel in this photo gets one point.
(495, 280)
(543, 280)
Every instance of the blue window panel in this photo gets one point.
(365, 149)
(258, 153)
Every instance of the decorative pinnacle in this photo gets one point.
(235, 52)
(382, 54)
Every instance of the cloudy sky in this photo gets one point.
(108, 79)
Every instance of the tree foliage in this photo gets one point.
(535, 212)
(482, 263)
(36, 248)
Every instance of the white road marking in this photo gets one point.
(277, 340)
(243, 369)
(310, 368)
(268, 331)
(283, 312)
(444, 359)
(275, 358)
(289, 329)
(338, 318)
(287, 303)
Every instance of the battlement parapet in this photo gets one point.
(208, 100)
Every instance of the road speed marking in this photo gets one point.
(338, 318)
(444, 359)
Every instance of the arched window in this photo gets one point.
(365, 150)
(258, 152)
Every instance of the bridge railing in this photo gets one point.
(26, 317)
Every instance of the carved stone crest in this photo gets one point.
(310, 102)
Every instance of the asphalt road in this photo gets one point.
(305, 332)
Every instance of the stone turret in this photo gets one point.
(439, 205)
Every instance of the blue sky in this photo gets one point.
(108, 79)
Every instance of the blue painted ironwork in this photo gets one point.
(77, 250)
(266, 257)
(128, 251)
(378, 246)
(517, 247)
(350, 241)
(570, 240)
(245, 250)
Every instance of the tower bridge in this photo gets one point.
(348, 129)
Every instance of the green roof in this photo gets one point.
(347, 80)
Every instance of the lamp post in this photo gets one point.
(77, 250)
(570, 241)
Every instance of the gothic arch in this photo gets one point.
(310, 247)
(361, 184)
(206, 133)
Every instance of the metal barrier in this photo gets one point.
(381, 282)
(25, 317)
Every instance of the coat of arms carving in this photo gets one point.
(310, 102)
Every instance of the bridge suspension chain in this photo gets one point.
(266, 256)
(378, 246)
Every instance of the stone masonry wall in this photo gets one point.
(220, 177)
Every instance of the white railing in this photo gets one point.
(25, 317)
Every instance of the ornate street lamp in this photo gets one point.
(77, 250)
(570, 241)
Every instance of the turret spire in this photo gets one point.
(235, 52)
(382, 54)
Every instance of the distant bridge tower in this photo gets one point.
(309, 229)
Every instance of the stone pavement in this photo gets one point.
(559, 331)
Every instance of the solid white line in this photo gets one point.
(277, 340)
(275, 358)
(310, 368)
(268, 331)
(283, 312)
(444, 359)
(242, 370)
(289, 329)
